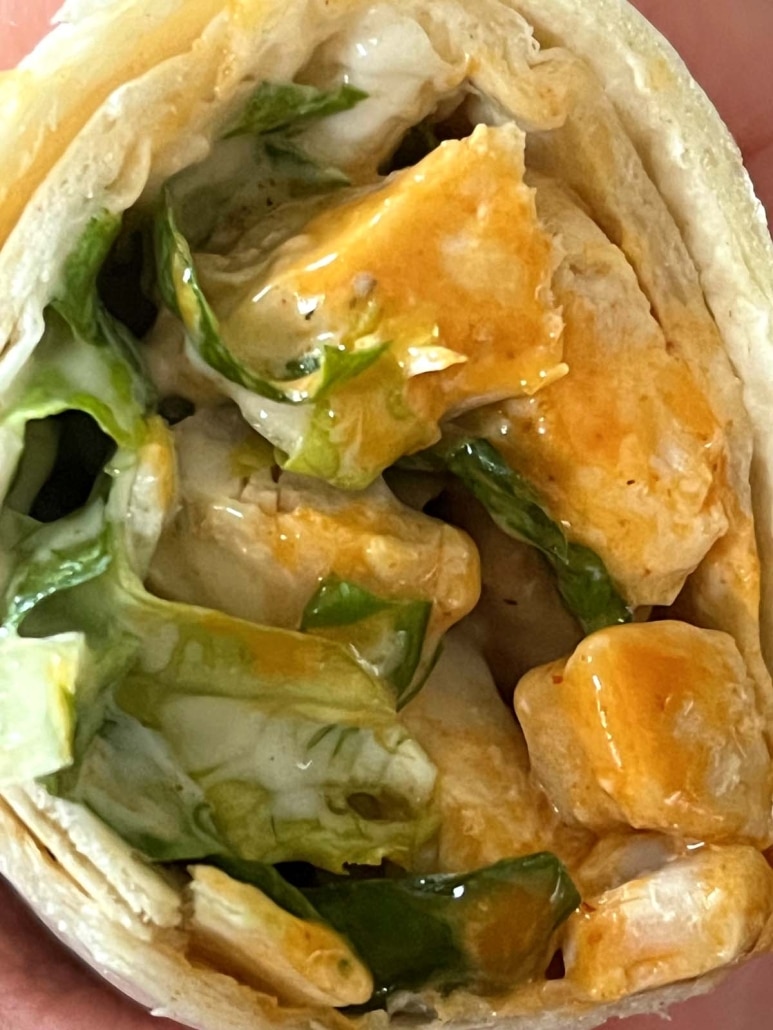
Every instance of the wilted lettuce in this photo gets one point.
(583, 581)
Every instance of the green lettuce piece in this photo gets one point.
(166, 816)
(259, 744)
(85, 362)
(273, 786)
(260, 165)
(487, 930)
(290, 162)
(76, 299)
(585, 585)
(277, 113)
(70, 373)
(38, 681)
(276, 107)
(363, 427)
(54, 557)
(388, 635)
(308, 378)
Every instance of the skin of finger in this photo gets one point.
(42, 985)
(22, 24)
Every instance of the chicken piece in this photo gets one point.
(445, 265)
(489, 807)
(695, 914)
(652, 725)
(240, 930)
(625, 449)
(620, 857)
(255, 543)
(169, 367)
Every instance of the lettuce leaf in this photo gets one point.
(53, 679)
(224, 737)
(260, 164)
(277, 112)
(362, 428)
(76, 299)
(86, 361)
(389, 636)
(269, 785)
(59, 556)
(166, 816)
(583, 581)
(290, 161)
(83, 363)
(38, 682)
(488, 929)
(308, 378)
(276, 107)
(279, 741)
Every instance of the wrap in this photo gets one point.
(327, 326)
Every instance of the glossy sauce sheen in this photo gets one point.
(245, 544)
(659, 730)
(694, 914)
(449, 254)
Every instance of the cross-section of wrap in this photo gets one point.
(386, 512)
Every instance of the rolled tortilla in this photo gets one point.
(96, 123)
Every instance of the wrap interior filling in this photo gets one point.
(380, 591)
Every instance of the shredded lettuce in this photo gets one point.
(279, 743)
(388, 635)
(50, 678)
(273, 785)
(57, 557)
(583, 581)
(260, 164)
(310, 377)
(290, 161)
(38, 682)
(76, 298)
(277, 113)
(86, 360)
(199, 733)
(277, 107)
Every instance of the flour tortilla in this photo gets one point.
(94, 121)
